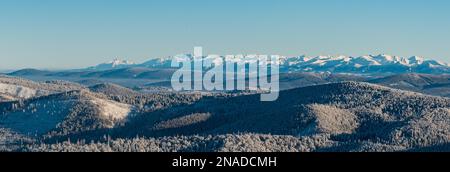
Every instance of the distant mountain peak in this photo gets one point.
(118, 62)
(416, 59)
(114, 64)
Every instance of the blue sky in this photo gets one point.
(57, 34)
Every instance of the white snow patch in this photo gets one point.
(112, 110)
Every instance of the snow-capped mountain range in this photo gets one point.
(334, 64)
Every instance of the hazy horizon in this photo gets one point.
(52, 34)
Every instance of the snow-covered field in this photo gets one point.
(16, 91)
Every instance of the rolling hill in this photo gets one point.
(350, 116)
(438, 85)
(62, 113)
(342, 116)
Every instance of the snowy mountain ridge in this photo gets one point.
(339, 64)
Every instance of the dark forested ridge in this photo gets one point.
(342, 116)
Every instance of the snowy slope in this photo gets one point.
(17, 91)
(12, 88)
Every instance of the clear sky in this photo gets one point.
(57, 34)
